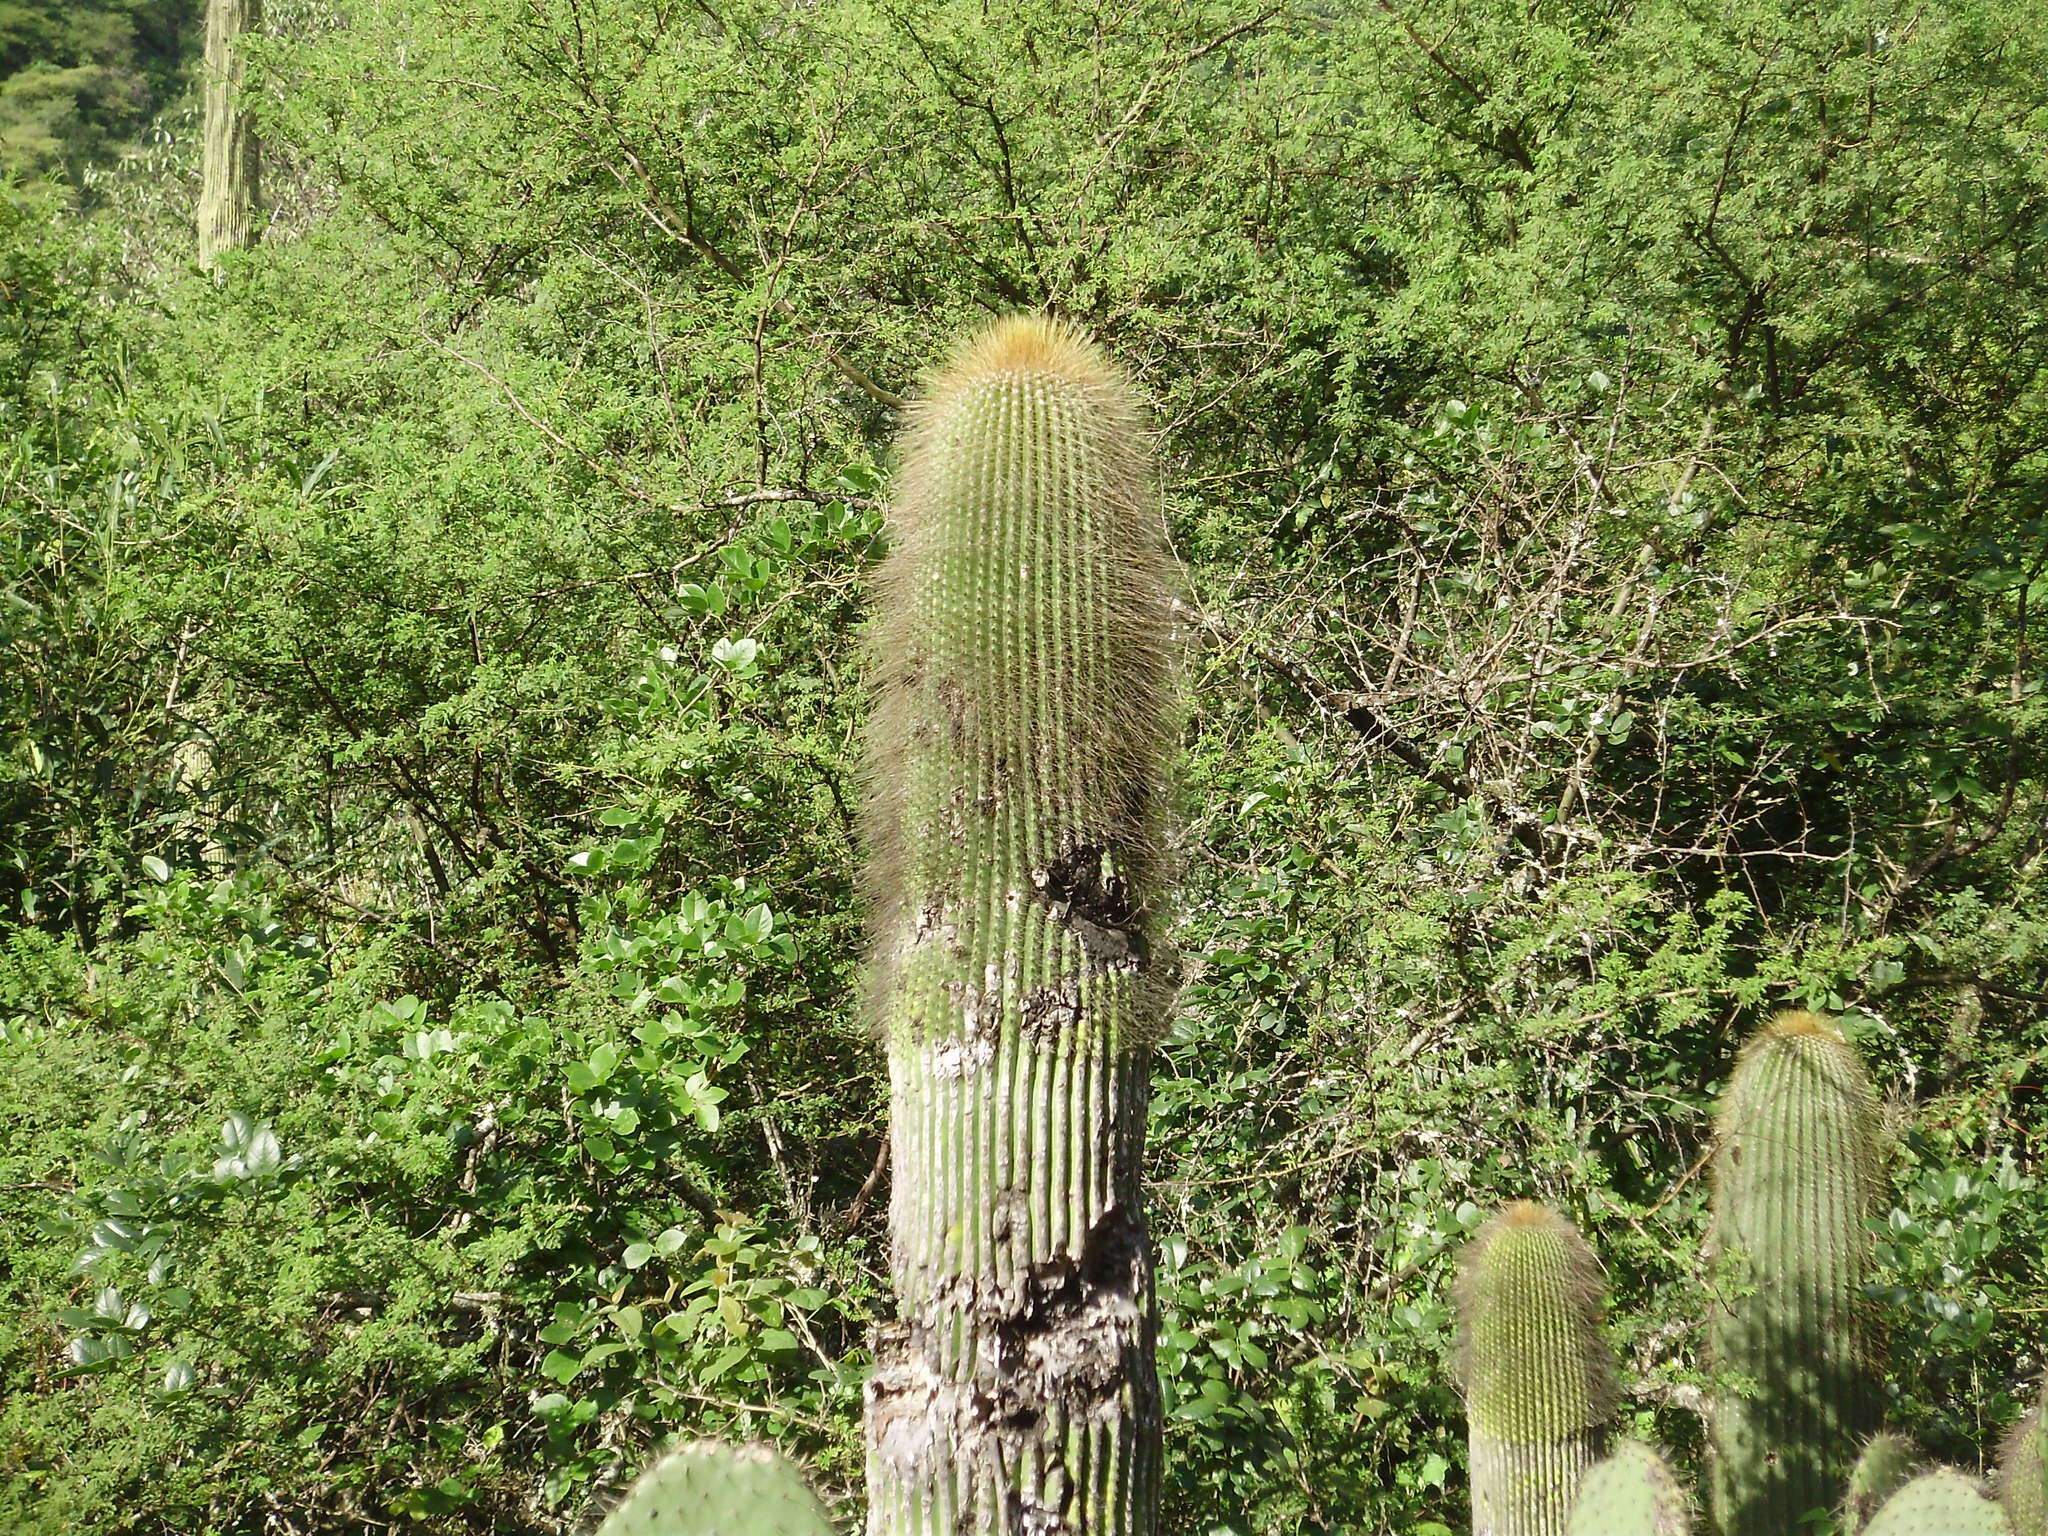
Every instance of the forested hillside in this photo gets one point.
(80, 79)
(1606, 450)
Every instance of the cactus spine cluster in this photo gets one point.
(1023, 716)
(1940, 1503)
(2023, 1476)
(231, 159)
(707, 1489)
(1796, 1171)
(1537, 1372)
(1631, 1493)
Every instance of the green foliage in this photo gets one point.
(80, 77)
(717, 1490)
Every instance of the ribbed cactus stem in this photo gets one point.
(2023, 1476)
(707, 1489)
(1023, 714)
(231, 157)
(1536, 1368)
(1631, 1493)
(1941, 1503)
(1796, 1178)
(1887, 1464)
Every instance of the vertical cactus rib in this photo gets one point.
(1796, 1178)
(1022, 719)
(2023, 1476)
(1536, 1369)
(1631, 1493)
(231, 158)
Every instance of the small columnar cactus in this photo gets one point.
(1796, 1176)
(1536, 1369)
(1024, 710)
(1887, 1464)
(1941, 1503)
(708, 1489)
(2023, 1476)
(1631, 1493)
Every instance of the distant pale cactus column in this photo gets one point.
(1536, 1368)
(231, 159)
(1796, 1178)
(1023, 716)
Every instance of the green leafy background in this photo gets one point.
(1608, 449)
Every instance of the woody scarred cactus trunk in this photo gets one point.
(1796, 1178)
(1023, 716)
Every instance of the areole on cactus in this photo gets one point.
(1024, 713)
(1537, 1372)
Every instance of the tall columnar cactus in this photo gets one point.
(1942, 1503)
(1887, 1464)
(1536, 1368)
(708, 1489)
(1631, 1493)
(2023, 1475)
(1797, 1176)
(1023, 717)
(231, 158)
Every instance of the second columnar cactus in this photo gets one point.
(1796, 1174)
(1536, 1368)
(1024, 713)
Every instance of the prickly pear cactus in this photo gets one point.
(2023, 1476)
(1796, 1174)
(1536, 1369)
(1631, 1493)
(1887, 1464)
(708, 1489)
(1943, 1503)
(1024, 712)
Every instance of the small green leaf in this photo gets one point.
(560, 1366)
